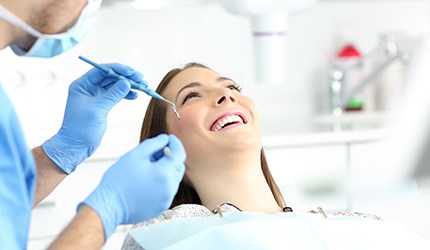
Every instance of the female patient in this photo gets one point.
(226, 170)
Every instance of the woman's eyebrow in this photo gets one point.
(223, 78)
(198, 84)
(189, 85)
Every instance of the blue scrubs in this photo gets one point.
(17, 179)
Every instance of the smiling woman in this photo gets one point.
(220, 130)
(226, 168)
(227, 175)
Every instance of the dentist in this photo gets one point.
(46, 28)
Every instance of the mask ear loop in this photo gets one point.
(88, 17)
(13, 19)
(91, 7)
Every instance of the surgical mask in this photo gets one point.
(50, 45)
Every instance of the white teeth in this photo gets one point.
(225, 120)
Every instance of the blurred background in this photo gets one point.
(329, 78)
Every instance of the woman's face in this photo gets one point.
(215, 117)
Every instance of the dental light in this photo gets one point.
(268, 23)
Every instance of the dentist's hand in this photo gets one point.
(137, 188)
(89, 101)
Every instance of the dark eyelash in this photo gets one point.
(189, 95)
(236, 87)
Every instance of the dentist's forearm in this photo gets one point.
(84, 232)
(48, 175)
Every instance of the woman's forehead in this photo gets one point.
(193, 74)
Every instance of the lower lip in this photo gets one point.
(230, 126)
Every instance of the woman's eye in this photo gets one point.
(235, 86)
(190, 95)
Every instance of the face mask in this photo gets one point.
(48, 45)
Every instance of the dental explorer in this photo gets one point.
(134, 84)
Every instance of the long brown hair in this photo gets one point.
(154, 123)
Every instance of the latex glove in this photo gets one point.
(89, 101)
(137, 188)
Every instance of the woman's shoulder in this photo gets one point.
(344, 214)
(356, 215)
(187, 211)
(181, 211)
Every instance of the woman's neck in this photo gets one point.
(239, 182)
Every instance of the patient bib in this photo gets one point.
(280, 231)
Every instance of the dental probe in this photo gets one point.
(134, 84)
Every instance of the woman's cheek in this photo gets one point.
(189, 119)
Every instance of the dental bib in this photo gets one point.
(280, 231)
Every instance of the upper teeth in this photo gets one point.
(228, 119)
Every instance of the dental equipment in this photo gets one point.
(269, 19)
(339, 96)
(134, 84)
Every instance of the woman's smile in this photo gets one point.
(228, 120)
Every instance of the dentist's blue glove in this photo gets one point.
(89, 101)
(137, 187)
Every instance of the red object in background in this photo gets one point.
(348, 51)
(350, 57)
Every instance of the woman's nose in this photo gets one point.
(225, 96)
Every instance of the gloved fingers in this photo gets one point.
(125, 71)
(100, 78)
(121, 69)
(144, 83)
(177, 149)
(117, 92)
(150, 146)
(92, 83)
(177, 155)
(108, 82)
(96, 77)
(85, 83)
(131, 95)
